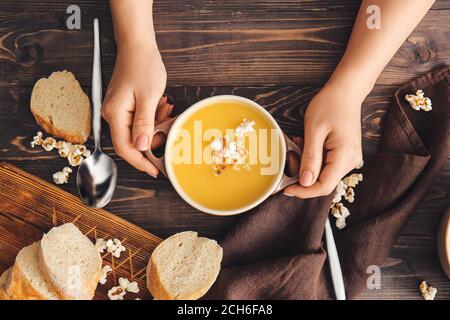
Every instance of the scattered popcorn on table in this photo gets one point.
(37, 139)
(345, 189)
(62, 177)
(419, 101)
(118, 292)
(428, 292)
(48, 144)
(128, 286)
(75, 153)
(115, 247)
(104, 274)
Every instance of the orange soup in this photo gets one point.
(237, 185)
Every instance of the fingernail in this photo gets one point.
(153, 175)
(141, 142)
(288, 194)
(307, 178)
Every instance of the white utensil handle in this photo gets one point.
(96, 87)
(335, 266)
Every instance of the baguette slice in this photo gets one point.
(70, 262)
(183, 267)
(26, 281)
(61, 108)
(3, 280)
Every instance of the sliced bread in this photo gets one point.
(26, 281)
(70, 262)
(3, 281)
(183, 267)
(61, 108)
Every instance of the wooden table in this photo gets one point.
(277, 52)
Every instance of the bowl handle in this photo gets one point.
(163, 127)
(286, 180)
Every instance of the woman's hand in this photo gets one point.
(135, 90)
(332, 142)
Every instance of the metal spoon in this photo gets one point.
(97, 174)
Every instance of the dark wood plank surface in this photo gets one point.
(278, 53)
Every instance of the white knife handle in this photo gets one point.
(335, 266)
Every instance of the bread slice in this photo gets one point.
(70, 262)
(3, 281)
(61, 108)
(183, 267)
(26, 281)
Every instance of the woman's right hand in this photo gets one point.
(133, 104)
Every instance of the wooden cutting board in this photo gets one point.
(30, 206)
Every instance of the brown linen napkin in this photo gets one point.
(275, 251)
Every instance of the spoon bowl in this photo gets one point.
(97, 179)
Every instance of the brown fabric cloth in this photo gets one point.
(275, 251)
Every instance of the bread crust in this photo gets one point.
(52, 130)
(19, 288)
(156, 286)
(45, 121)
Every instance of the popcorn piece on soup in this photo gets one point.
(230, 150)
(62, 177)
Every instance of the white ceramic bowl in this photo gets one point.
(170, 128)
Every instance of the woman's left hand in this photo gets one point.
(332, 142)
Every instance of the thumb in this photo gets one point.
(312, 156)
(143, 123)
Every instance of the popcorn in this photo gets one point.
(74, 159)
(353, 179)
(344, 189)
(62, 177)
(350, 195)
(115, 247)
(230, 150)
(37, 139)
(118, 292)
(419, 101)
(428, 292)
(104, 274)
(48, 144)
(128, 286)
(75, 153)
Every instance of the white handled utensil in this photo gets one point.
(335, 266)
(97, 174)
